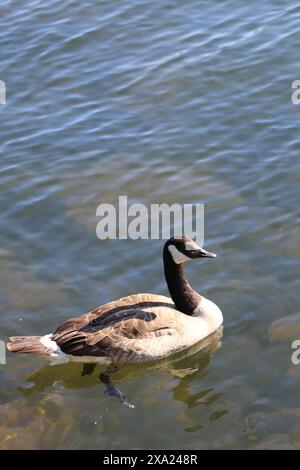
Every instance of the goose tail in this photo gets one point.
(30, 345)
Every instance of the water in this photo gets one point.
(171, 102)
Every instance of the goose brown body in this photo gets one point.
(132, 329)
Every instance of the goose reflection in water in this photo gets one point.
(186, 365)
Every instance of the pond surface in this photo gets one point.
(170, 101)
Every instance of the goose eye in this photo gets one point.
(191, 253)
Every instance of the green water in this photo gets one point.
(164, 102)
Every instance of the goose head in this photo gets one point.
(184, 249)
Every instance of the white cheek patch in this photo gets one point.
(191, 246)
(177, 256)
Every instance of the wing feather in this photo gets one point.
(117, 328)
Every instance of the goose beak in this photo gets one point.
(201, 253)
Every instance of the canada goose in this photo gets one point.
(138, 327)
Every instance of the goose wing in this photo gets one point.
(120, 329)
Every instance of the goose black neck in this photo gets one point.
(183, 295)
